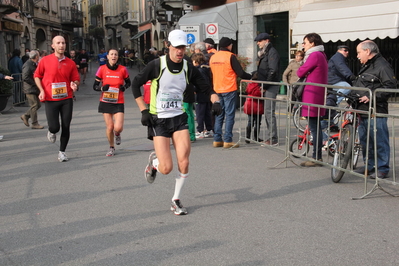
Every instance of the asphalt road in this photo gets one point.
(245, 208)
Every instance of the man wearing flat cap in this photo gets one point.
(225, 68)
(268, 70)
(210, 45)
(339, 73)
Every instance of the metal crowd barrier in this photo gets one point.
(281, 110)
(392, 120)
(18, 95)
(287, 132)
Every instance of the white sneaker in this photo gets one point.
(208, 134)
(62, 157)
(51, 137)
(199, 135)
(111, 152)
(177, 208)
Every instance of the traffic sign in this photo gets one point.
(212, 31)
(190, 38)
(193, 33)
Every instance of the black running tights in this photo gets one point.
(63, 109)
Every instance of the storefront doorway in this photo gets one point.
(276, 25)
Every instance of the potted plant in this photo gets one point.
(6, 87)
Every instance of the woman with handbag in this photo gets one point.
(315, 68)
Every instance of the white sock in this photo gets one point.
(179, 185)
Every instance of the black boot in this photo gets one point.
(256, 134)
(248, 136)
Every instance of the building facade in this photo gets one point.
(33, 24)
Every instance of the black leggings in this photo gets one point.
(55, 109)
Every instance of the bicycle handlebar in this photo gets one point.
(351, 97)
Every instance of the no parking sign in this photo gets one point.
(212, 31)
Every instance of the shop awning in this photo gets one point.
(224, 15)
(348, 19)
(138, 35)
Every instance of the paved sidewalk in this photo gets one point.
(98, 210)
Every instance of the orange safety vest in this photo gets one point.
(224, 77)
(212, 50)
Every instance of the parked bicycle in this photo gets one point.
(301, 144)
(348, 145)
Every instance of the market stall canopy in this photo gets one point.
(348, 20)
(224, 15)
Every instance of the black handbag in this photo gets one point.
(297, 90)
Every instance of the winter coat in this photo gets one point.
(206, 73)
(289, 75)
(254, 106)
(338, 69)
(316, 70)
(269, 65)
(28, 69)
(15, 66)
(376, 73)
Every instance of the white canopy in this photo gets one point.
(348, 19)
(224, 15)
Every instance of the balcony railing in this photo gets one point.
(71, 16)
(130, 19)
(9, 6)
(112, 21)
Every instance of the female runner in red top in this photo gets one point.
(114, 79)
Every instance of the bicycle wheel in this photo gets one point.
(299, 150)
(332, 146)
(299, 121)
(357, 149)
(343, 153)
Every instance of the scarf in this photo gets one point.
(262, 51)
(318, 48)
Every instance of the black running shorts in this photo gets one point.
(165, 127)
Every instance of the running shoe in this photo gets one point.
(51, 137)
(118, 139)
(62, 157)
(111, 152)
(208, 134)
(199, 135)
(150, 172)
(177, 208)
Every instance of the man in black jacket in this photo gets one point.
(31, 90)
(375, 73)
(268, 70)
(339, 73)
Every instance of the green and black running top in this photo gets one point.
(168, 84)
(166, 97)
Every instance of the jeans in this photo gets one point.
(228, 104)
(315, 130)
(254, 121)
(270, 114)
(344, 91)
(383, 149)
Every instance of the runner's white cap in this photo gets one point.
(177, 38)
